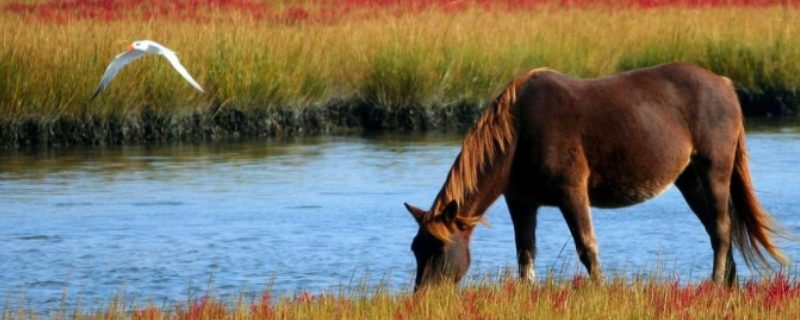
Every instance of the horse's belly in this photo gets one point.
(614, 194)
(635, 174)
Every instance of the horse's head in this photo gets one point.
(441, 246)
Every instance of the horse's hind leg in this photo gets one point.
(707, 194)
(523, 215)
(575, 208)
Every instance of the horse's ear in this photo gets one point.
(450, 212)
(417, 213)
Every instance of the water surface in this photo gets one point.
(163, 223)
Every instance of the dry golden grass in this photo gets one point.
(49, 69)
(575, 298)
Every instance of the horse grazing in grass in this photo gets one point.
(554, 140)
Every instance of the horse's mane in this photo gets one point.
(488, 139)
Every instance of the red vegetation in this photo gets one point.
(320, 11)
(578, 281)
(204, 308)
(304, 297)
(679, 299)
(776, 292)
(108, 10)
(560, 299)
(408, 307)
(263, 309)
(470, 308)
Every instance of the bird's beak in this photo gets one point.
(130, 47)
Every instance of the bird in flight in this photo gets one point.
(136, 50)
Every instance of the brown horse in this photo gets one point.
(554, 140)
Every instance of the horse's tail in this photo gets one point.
(752, 225)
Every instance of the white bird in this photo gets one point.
(136, 50)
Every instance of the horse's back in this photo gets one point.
(628, 135)
(683, 90)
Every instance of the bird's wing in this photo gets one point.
(118, 63)
(173, 60)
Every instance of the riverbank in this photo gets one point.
(223, 124)
(574, 298)
(229, 123)
(297, 67)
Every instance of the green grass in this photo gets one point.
(505, 298)
(278, 77)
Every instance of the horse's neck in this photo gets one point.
(491, 183)
(480, 172)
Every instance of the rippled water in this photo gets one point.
(164, 223)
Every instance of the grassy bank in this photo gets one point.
(576, 298)
(300, 67)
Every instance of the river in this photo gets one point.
(160, 224)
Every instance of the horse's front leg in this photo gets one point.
(576, 211)
(523, 216)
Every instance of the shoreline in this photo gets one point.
(339, 117)
(220, 124)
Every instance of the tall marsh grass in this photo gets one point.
(551, 298)
(357, 64)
